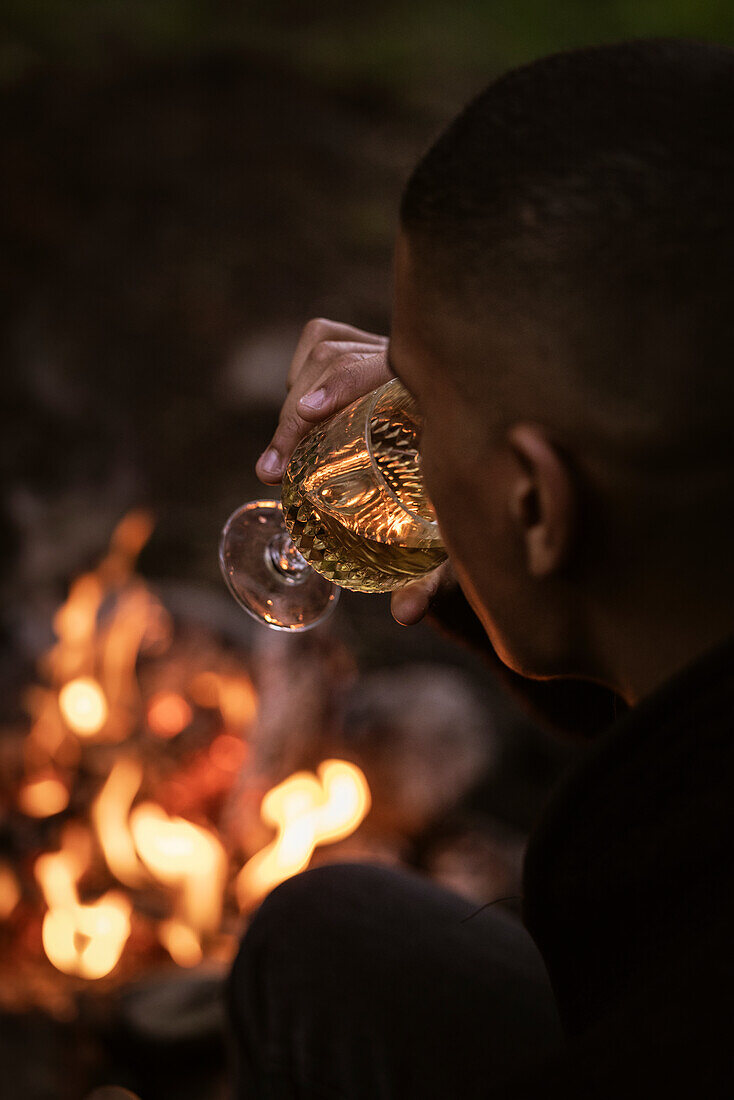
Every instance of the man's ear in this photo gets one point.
(543, 500)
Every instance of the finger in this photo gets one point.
(352, 372)
(291, 429)
(410, 604)
(319, 330)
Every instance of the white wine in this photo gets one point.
(365, 532)
(350, 560)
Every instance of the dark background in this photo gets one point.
(184, 184)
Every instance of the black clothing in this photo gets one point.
(628, 893)
(367, 982)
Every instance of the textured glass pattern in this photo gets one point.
(353, 500)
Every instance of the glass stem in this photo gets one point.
(282, 557)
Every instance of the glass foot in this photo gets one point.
(266, 574)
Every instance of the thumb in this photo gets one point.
(410, 604)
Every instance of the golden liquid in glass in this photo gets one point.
(344, 523)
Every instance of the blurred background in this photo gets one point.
(185, 183)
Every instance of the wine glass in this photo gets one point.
(353, 514)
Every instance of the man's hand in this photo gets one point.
(333, 365)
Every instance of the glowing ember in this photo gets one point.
(181, 943)
(9, 891)
(168, 714)
(83, 706)
(84, 940)
(227, 752)
(306, 811)
(43, 797)
(110, 816)
(186, 857)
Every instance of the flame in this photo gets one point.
(168, 714)
(179, 854)
(93, 661)
(181, 942)
(306, 811)
(86, 940)
(110, 816)
(83, 706)
(90, 691)
(135, 611)
(75, 625)
(233, 695)
(9, 891)
(186, 857)
(49, 739)
(43, 796)
(128, 539)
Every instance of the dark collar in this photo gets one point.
(636, 847)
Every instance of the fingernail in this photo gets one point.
(314, 401)
(269, 461)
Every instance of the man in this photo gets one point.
(564, 316)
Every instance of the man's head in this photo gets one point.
(564, 314)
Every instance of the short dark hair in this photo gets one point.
(607, 175)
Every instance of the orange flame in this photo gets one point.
(43, 796)
(233, 695)
(110, 813)
(49, 738)
(83, 706)
(9, 891)
(135, 611)
(306, 811)
(86, 940)
(75, 625)
(181, 942)
(91, 692)
(186, 857)
(128, 539)
(93, 662)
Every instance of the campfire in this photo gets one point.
(120, 846)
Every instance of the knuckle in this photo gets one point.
(289, 423)
(322, 353)
(315, 327)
